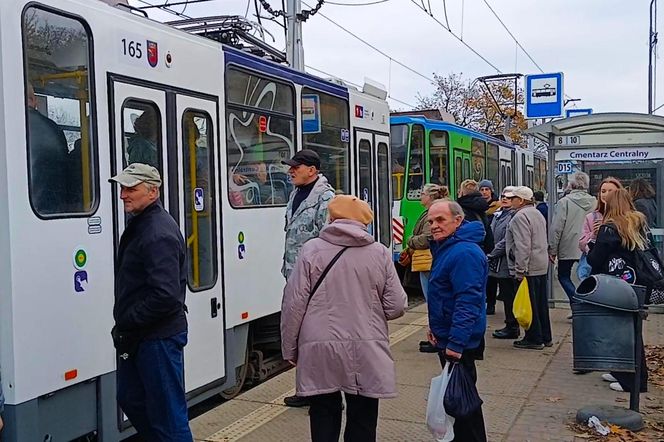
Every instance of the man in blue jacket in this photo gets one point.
(457, 286)
(150, 325)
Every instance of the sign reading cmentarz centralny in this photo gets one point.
(611, 154)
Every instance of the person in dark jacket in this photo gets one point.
(622, 233)
(474, 207)
(150, 329)
(457, 315)
(643, 195)
(542, 206)
(486, 189)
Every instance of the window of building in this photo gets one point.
(325, 129)
(61, 142)
(141, 133)
(398, 146)
(492, 165)
(384, 204)
(416, 163)
(479, 160)
(260, 133)
(199, 199)
(438, 157)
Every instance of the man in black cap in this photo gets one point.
(306, 214)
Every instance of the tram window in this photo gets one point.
(325, 125)
(199, 200)
(466, 168)
(62, 157)
(509, 176)
(260, 133)
(141, 133)
(384, 205)
(503, 176)
(457, 172)
(416, 162)
(524, 171)
(398, 145)
(479, 160)
(537, 184)
(438, 148)
(492, 164)
(512, 170)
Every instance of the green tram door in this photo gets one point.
(461, 170)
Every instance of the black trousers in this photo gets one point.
(507, 288)
(471, 428)
(325, 418)
(540, 329)
(491, 291)
(626, 380)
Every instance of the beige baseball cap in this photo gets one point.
(524, 193)
(137, 173)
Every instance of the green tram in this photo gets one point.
(432, 151)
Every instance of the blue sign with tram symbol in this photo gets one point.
(544, 95)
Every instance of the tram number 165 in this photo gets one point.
(132, 48)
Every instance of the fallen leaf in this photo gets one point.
(553, 399)
(615, 429)
(621, 399)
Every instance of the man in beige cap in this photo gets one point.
(150, 325)
(526, 245)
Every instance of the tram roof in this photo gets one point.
(595, 124)
(444, 125)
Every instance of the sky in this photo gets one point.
(601, 46)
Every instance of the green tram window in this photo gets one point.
(399, 147)
(415, 178)
(63, 177)
(458, 178)
(199, 199)
(438, 157)
(384, 204)
(479, 160)
(326, 137)
(493, 166)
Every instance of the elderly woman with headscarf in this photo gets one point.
(334, 314)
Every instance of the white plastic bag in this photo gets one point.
(440, 423)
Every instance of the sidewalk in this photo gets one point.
(528, 395)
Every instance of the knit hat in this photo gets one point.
(486, 183)
(350, 207)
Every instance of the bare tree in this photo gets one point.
(472, 106)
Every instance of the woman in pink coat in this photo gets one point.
(337, 336)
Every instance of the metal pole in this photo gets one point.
(294, 48)
(652, 42)
(552, 197)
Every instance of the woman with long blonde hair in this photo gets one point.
(621, 237)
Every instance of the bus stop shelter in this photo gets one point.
(626, 146)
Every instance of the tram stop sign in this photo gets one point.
(544, 95)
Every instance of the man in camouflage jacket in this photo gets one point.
(306, 213)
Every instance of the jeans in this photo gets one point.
(325, 418)
(565, 277)
(150, 389)
(540, 329)
(507, 288)
(424, 282)
(471, 428)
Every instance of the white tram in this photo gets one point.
(86, 88)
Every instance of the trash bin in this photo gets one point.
(603, 324)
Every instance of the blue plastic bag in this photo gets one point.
(461, 397)
(583, 269)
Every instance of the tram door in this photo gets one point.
(372, 165)
(183, 156)
(462, 169)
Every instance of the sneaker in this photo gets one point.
(608, 377)
(506, 333)
(523, 344)
(296, 401)
(615, 386)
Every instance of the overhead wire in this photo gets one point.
(383, 53)
(457, 37)
(445, 10)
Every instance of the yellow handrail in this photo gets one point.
(191, 142)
